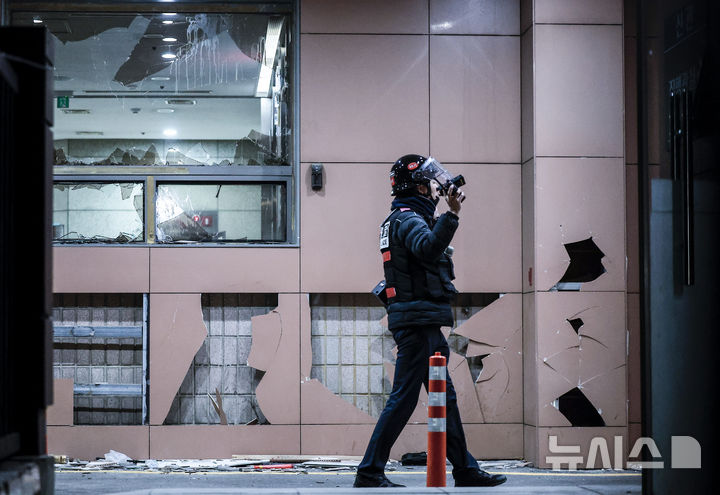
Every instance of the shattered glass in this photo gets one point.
(183, 89)
(85, 212)
(220, 212)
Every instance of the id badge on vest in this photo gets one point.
(385, 235)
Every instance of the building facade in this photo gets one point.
(228, 310)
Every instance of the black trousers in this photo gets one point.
(415, 346)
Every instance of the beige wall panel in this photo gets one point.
(363, 98)
(530, 362)
(275, 343)
(176, 333)
(100, 269)
(89, 442)
(340, 228)
(368, 16)
(528, 225)
(578, 91)
(488, 243)
(634, 432)
(579, 11)
(258, 270)
(498, 441)
(630, 67)
(468, 400)
(594, 358)
(530, 438)
(218, 441)
(475, 17)
(475, 98)
(581, 437)
(527, 90)
(576, 199)
(633, 360)
(61, 410)
(498, 328)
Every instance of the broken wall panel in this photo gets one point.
(592, 360)
(353, 356)
(177, 331)
(278, 391)
(91, 442)
(79, 269)
(581, 199)
(224, 270)
(220, 366)
(89, 361)
(218, 441)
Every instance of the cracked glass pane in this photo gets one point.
(221, 212)
(98, 212)
(169, 89)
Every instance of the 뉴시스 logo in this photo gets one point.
(685, 454)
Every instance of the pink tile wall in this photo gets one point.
(363, 98)
(475, 17)
(475, 98)
(100, 269)
(579, 11)
(578, 91)
(575, 199)
(224, 269)
(368, 16)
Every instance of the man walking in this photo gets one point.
(414, 242)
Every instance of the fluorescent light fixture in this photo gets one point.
(167, 22)
(180, 101)
(272, 41)
(170, 132)
(169, 40)
(37, 20)
(159, 78)
(169, 13)
(168, 55)
(165, 110)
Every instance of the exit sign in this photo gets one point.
(63, 102)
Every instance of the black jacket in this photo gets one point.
(418, 272)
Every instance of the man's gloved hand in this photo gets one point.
(454, 197)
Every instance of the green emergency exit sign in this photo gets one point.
(63, 102)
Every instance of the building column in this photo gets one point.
(573, 195)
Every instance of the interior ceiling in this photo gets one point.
(106, 61)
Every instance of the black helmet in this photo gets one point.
(411, 170)
(404, 175)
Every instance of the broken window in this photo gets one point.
(220, 386)
(99, 344)
(221, 212)
(98, 212)
(191, 94)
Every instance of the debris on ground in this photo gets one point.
(504, 464)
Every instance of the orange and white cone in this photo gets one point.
(436, 451)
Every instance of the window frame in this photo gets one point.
(150, 176)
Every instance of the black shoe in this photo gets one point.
(378, 481)
(480, 478)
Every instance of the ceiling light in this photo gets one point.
(168, 55)
(167, 22)
(165, 110)
(272, 41)
(37, 20)
(180, 101)
(170, 132)
(169, 13)
(169, 40)
(89, 133)
(159, 78)
(75, 111)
